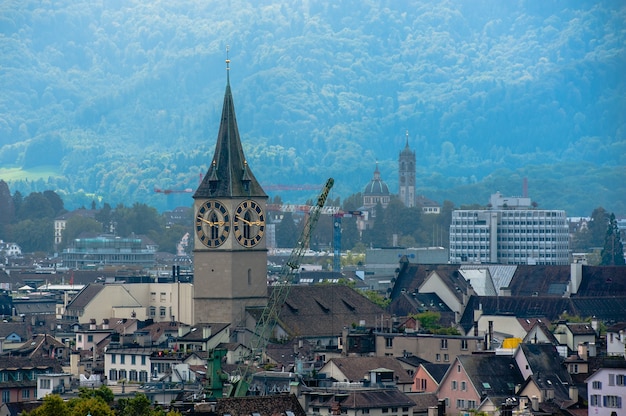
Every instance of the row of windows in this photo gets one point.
(132, 375)
(162, 311)
(133, 359)
(443, 344)
(455, 385)
(465, 404)
(162, 296)
(614, 402)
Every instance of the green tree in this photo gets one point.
(138, 405)
(613, 251)
(52, 405)
(377, 298)
(36, 207)
(33, 235)
(77, 225)
(55, 202)
(95, 406)
(287, 232)
(104, 216)
(103, 392)
(7, 209)
(377, 236)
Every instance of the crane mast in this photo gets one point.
(267, 321)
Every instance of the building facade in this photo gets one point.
(106, 250)
(509, 232)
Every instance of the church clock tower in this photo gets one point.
(230, 255)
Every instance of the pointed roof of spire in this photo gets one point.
(407, 150)
(229, 174)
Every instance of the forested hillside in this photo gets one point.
(109, 100)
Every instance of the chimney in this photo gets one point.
(576, 277)
(535, 403)
(206, 332)
(595, 324)
(573, 393)
(92, 324)
(583, 351)
(105, 324)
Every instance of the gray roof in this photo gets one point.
(229, 174)
(85, 296)
(491, 375)
(324, 310)
(364, 399)
(356, 368)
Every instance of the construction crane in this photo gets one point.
(267, 321)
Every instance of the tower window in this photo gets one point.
(249, 277)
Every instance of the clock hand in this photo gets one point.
(211, 223)
(204, 220)
(244, 220)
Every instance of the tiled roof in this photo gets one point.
(412, 275)
(410, 303)
(363, 399)
(8, 328)
(423, 401)
(356, 368)
(436, 371)
(41, 364)
(157, 329)
(581, 328)
(603, 281)
(40, 345)
(324, 310)
(492, 375)
(85, 296)
(196, 333)
(606, 308)
(247, 406)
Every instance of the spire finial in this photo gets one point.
(407, 137)
(227, 64)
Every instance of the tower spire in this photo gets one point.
(407, 138)
(227, 65)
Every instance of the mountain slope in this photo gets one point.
(119, 97)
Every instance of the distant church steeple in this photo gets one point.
(406, 172)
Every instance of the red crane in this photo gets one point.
(173, 191)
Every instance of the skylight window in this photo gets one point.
(486, 385)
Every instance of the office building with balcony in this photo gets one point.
(107, 250)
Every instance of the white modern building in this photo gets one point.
(510, 231)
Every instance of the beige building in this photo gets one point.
(156, 301)
(430, 347)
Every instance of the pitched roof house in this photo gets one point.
(358, 402)
(386, 371)
(472, 379)
(283, 404)
(319, 313)
(428, 377)
(545, 376)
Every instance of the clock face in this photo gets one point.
(212, 223)
(249, 223)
